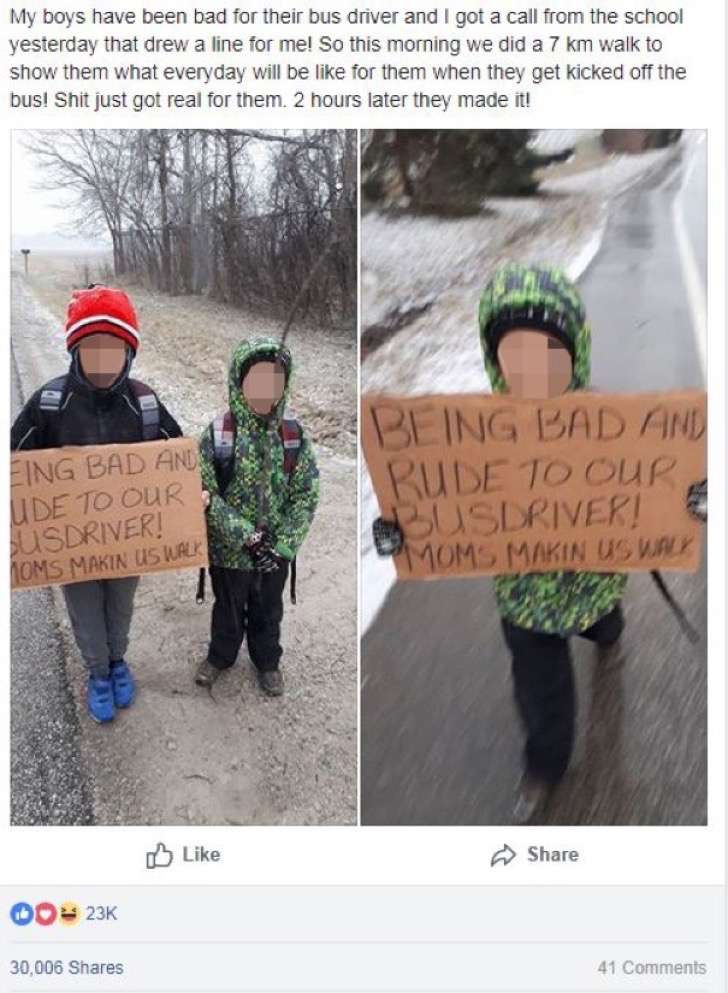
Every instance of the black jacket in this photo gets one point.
(88, 416)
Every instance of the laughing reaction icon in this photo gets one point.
(69, 913)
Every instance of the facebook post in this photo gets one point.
(366, 613)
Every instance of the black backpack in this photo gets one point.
(51, 401)
(223, 439)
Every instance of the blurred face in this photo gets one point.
(102, 359)
(263, 386)
(535, 364)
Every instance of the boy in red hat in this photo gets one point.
(97, 403)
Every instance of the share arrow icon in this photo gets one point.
(504, 856)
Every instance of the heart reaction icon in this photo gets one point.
(45, 914)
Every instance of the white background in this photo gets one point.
(438, 855)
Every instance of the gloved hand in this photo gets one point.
(388, 537)
(697, 501)
(265, 557)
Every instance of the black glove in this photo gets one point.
(265, 557)
(388, 537)
(697, 502)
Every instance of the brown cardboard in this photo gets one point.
(103, 511)
(585, 482)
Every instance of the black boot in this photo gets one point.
(206, 674)
(271, 682)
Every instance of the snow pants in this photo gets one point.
(100, 612)
(543, 681)
(247, 603)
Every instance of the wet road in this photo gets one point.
(635, 293)
(47, 782)
(441, 742)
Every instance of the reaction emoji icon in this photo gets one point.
(70, 913)
(45, 914)
(21, 914)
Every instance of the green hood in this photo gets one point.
(244, 354)
(539, 297)
(561, 603)
(259, 491)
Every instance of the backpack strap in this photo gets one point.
(291, 436)
(223, 440)
(51, 397)
(149, 407)
(688, 630)
(293, 581)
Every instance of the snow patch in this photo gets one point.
(615, 176)
(552, 141)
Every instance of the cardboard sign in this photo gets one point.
(586, 482)
(104, 511)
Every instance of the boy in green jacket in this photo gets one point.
(260, 473)
(536, 344)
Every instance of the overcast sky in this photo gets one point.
(39, 219)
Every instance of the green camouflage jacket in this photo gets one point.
(560, 603)
(258, 486)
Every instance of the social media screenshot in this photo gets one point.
(365, 612)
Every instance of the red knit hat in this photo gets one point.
(101, 310)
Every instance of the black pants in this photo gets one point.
(544, 689)
(247, 603)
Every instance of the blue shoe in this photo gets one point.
(122, 683)
(100, 700)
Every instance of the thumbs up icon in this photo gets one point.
(21, 914)
(160, 858)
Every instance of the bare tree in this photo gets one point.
(257, 219)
